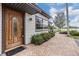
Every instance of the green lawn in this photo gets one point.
(75, 37)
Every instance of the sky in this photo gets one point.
(52, 8)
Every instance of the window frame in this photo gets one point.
(43, 29)
(43, 24)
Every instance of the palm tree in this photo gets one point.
(67, 15)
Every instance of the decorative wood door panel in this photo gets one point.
(13, 28)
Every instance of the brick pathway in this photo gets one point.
(60, 45)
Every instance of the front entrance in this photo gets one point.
(14, 29)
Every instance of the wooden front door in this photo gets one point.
(13, 29)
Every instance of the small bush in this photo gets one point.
(40, 38)
(74, 33)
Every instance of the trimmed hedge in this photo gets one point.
(74, 33)
(63, 32)
(41, 38)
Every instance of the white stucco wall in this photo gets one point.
(30, 27)
(0, 28)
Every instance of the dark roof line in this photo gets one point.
(41, 10)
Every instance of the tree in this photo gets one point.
(59, 20)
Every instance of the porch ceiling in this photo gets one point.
(30, 8)
(23, 7)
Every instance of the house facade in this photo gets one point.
(19, 22)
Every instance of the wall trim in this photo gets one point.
(0, 28)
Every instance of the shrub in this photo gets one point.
(52, 34)
(49, 35)
(74, 33)
(45, 36)
(37, 39)
(40, 38)
(63, 32)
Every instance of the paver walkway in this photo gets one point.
(60, 45)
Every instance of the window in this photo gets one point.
(45, 24)
(14, 26)
(41, 23)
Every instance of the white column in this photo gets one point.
(0, 28)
